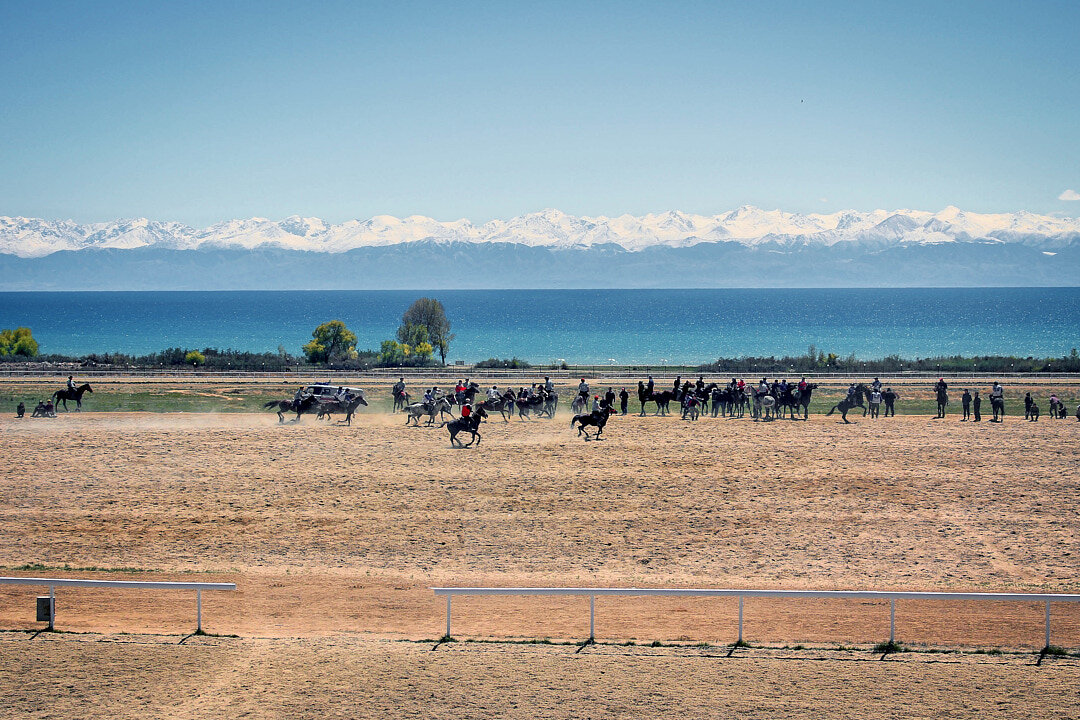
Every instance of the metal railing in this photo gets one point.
(891, 596)
(53, 583)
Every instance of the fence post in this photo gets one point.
(740, 617)
(1047, 624)
(448, 615)
(52, 606)
(592, 617)
(892, 620)
(198, 610)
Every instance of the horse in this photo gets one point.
(502, 404)
(331, 406)
(440, 406)
(401, 399)
(528, 405)
(307, 405)
(852, 401)
(578, 404)
(62, 396)
(469, 424)
(662, 400)
(802, 399)
(597, 418)
(764, 407)
(997, 404)
(942, 401)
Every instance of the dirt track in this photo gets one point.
(331, 530)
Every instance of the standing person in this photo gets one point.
(624, 400)
(875, 403)
(1027, 405)
(966, 400)
(997, 402)
(890, 398)
(976, 406)
(609, 398)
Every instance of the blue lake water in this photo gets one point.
(579, 326)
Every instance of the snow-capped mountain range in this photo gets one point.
(748, 226)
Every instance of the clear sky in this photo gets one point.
(201, 112)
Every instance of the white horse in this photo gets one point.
(764, 407)
(440, 407)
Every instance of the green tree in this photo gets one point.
(19, 341)
(194, 357)
(391, 353)
(429, 313)
(330, 341)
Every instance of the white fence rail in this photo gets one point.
(53, 583)
(892, 597)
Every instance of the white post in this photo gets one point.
(740, 617)
(592, 617)
(1047, 624)
(52, 606)
(448, 615)
(892, 620)
(198, 610)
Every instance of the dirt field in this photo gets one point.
(334, 535)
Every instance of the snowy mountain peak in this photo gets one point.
(747, 225)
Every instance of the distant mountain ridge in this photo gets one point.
(746, 226)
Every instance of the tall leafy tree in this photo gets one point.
(19, 341)
(330, 341)
(430, 314)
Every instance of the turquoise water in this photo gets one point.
(579, 326)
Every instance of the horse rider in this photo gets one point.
(342, 395)
(596, 403)
(700, 384)
(876, 385)
(549, 387)
(298, 397)
(649, 385)
(851, 391)
(399, 388)
(783, 387)
(941, 385)
(493, 393)
(71, 384)
(802, 385)
(429, 397)
(466, 411)
(583, 390)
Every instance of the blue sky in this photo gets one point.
(201, 112)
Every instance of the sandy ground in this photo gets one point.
(334, 534)
(346, 677)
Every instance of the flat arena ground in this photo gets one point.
(334, 534)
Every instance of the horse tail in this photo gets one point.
(573, 420)
(831, 411)
(270, 404)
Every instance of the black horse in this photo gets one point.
(942, 401)
(857, 399)
(62, 396)
(597, 418)
(401, 400)
(802, 399)
(662, 400)
(469, 424)
(329, 407)
(308, 405)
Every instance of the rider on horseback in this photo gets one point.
(583, 391)
(493, 393)
(71, 384)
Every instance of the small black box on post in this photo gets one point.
(44, 608)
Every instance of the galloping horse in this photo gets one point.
(597, 418)
(441, 406)
(469, 424)
(308, 405)
(854, 401)
(330, 407)
(62, 396)
(942, 401)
